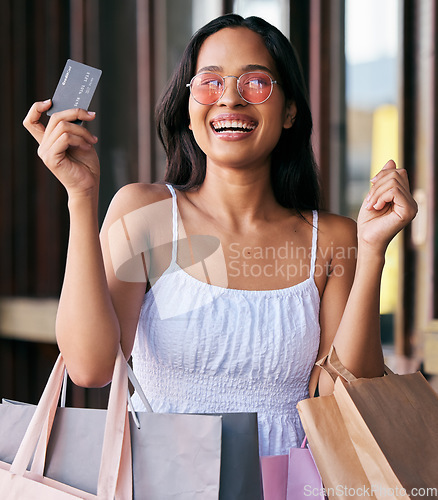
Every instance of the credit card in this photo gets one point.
(75, 88)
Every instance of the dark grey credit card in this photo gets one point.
(75, 88)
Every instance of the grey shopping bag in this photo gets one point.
(115, 468)
(177, 456)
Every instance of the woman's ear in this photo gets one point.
(291, 112)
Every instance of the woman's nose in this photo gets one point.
(231, 95)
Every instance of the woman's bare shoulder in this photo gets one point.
(135, 196)
(336, 229)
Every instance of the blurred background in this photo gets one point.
(371, 69)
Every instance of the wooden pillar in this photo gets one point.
(417, 333)
(227, 6)
(405, 317)
(327, 97)
(299, 27)
(145, 91)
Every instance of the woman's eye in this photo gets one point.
(257, 82)
(214, 82)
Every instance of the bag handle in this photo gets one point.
(39, 459)
(142, 395)
(132, 378)
(115, 474)
(333, 366)
(116, 431)
(40, 419)
(138, 389)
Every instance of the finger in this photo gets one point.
(401, 201)
(403, 206)
(399, 175)
(74, 129)
(387, 196)
(390, 169)
(69, 115)
(52, 156)
(389, 165)
(385, 185)
(64, 127)
(32, 120)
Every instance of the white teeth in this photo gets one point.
(235, 125)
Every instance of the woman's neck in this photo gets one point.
(236, 198)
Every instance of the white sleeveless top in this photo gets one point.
(236, 351)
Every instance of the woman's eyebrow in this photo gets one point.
(256, 67)
(248, 67)
(209, 68)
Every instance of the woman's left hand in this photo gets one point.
(387, 209)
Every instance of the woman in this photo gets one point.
(296, 280)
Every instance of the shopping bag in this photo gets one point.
(291, 477)
(115, 473)
(240, 475)
(304, 481)
(374, 437)
(177, 456)
(274, 476)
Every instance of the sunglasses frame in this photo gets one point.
(237, 85)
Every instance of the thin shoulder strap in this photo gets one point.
(174, 224)
(314, 243)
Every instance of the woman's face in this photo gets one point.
(234, 51)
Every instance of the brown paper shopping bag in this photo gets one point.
(374, 437)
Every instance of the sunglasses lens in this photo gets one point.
(207, 88)
(255, 87)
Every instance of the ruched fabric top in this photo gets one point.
(236, 351)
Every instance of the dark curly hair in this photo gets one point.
(294, 175)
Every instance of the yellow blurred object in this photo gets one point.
(384, 148)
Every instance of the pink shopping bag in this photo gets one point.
(291, 477)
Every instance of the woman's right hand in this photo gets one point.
(66, 148)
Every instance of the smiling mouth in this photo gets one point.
(238, 126)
